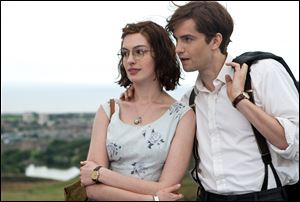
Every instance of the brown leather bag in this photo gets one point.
(74, 191)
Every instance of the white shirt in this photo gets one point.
(230, 159)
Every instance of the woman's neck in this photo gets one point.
(147, 94)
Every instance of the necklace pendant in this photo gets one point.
(137, 121)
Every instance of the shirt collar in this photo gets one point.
(220, 78)
(225, 70)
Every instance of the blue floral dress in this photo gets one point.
(141, 151)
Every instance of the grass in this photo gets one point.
(49, 190)
(40, 190)
(188, 189)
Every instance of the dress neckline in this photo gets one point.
(139, 126)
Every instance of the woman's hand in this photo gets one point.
(85, 172)
(170, 193)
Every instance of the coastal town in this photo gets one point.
(51, 140)
(31, 130)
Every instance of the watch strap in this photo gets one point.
(238, 99)
(97, 168)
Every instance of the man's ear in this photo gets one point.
(216, 41)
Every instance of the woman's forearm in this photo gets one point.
(133, 184)
(102, 192)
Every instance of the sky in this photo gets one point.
(65, 42)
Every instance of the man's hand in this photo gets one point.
(128, 94)
(170, 193)
(236, 85)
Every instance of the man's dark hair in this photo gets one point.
(210, 18)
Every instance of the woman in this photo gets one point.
(142, 153)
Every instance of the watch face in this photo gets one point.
(246, 95)
(94, 175)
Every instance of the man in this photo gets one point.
(231, 167)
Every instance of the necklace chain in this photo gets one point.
(138, 120)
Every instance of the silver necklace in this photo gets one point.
(138, 120)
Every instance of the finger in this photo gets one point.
(82, 163)
(244, 70)
(122, 96)
(173, 188)
(176, 197)
(130, 92)
(228, 79)
(236, 66)
(126, 95)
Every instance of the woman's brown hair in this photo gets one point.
(167, 68)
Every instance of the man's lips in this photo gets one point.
(184, 59)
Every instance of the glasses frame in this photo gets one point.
(138, 53)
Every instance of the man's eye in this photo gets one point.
(187, 39)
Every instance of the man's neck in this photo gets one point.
(210, 74)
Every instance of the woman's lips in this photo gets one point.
(133, 71)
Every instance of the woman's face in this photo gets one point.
(138, 59)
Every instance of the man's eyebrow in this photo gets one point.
(186, 35)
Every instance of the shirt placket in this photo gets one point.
(215, 141)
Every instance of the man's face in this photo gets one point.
(191, 46)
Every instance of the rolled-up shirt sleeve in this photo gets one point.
(276, 95)
(291, 132)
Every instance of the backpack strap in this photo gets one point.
(262, 144)
(249, 58)
(112, 107)
(194, 171)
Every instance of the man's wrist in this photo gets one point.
(240, 97)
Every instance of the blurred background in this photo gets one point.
(59, 63)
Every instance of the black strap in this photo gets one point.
(249, 58)
(194, 171)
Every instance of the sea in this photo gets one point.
(51, 98)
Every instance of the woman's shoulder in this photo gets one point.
(107, 106)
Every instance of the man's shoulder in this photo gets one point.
(266, 66)
(185, 98)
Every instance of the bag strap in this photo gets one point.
(112, 107)
(194, 171)
(262, 143)
(249, 58)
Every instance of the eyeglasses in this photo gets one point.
(137, 53)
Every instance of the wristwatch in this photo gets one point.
(240, 97)
(95, 174)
